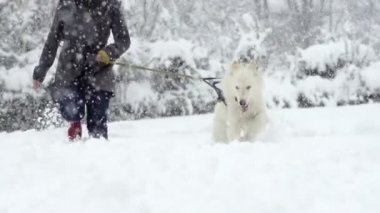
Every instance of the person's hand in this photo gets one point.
(103, 57)
(37, 84)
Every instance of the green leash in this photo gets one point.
(160, 71)
(210, 81)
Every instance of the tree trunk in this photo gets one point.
(323, 5)
(266, 8)
(258, 8)
(331, 16)
(295, 6)
(290, 5)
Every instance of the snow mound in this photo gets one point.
(322, 160)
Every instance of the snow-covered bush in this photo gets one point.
(20, 111)
(23, 25)
(327, 58)
(145, 93)
(349, 86)
(370, 77)
(280, 90)
(291, 40)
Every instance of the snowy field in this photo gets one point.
(312, 160)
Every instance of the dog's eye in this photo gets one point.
(237, 87)
(248, 87)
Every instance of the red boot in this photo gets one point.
(74, 131)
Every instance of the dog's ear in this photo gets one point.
(253, 66)
(235, 66)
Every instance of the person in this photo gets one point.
(84, 81)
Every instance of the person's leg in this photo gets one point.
(97, 105)
(71, 104)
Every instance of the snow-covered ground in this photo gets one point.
(312, 160)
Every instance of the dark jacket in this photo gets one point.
(83, 27)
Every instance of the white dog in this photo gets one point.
(243, 115)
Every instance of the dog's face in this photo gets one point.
(246, 85)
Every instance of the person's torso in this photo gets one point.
(85, 31)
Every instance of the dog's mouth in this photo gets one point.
(244, 108)
(243, 104)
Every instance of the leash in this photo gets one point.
(210, 81)
(160, 71)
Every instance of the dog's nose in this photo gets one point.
(243, 103)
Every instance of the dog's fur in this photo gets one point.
(245, 114)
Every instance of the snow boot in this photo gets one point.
(75, 131)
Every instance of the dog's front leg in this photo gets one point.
(220, 124)
(233, 130)
(257, 126)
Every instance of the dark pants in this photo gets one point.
(74, 100)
